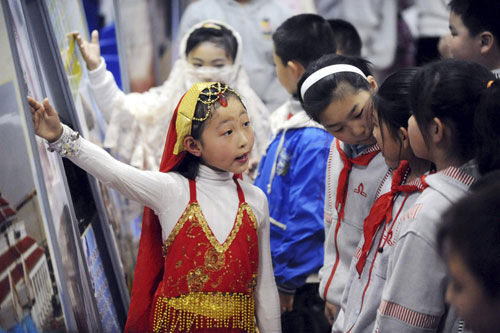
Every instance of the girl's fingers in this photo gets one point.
(35, 106)
(49, 109)
(95, 37)
(79, 40)
(36, 120)
(33, 103)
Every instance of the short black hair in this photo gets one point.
(392, 100)
(456, 92)
(214, 33)
(471, 227)
(323, 92)
(303, 38)
(479, 16)
(346, 37)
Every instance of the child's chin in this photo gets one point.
(240, 169)
(392, 164)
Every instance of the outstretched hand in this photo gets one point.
(91, 51)
(45, 120)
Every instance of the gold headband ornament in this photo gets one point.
(211, 25)
(490, 83)
(205, 92)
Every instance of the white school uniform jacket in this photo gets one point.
(413, 299)
(363, 293)
(341, 239)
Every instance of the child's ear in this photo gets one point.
(373, 83)
(487, 40)
(404, 138)
(436, 130)
(192, 146)
(296, 68)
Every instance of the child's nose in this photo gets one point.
(243, 139)
(357, 130)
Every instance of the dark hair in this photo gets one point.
(471, 227)
(392, 101)
(456, 92)
(323, 92)
(479, 16)
(214, 33)
(303, 38)
(486, 128)
(346, 37)
(190, 164)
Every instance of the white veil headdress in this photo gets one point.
(151, 111)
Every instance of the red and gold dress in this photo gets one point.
(206, 285)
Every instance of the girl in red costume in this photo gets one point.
(204, 262)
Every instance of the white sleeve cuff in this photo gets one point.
(68, 144)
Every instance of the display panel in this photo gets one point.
(74, 201)
(33, 291)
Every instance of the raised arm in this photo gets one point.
(147, 187)
(91, 50)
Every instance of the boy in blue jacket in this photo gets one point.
(292, 173)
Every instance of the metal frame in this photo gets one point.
(40, 183)
(44, 37)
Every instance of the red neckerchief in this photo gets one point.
(382, 210)
(344, 175)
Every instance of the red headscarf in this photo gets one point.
(149, 268)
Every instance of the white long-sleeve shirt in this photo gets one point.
(168, 195)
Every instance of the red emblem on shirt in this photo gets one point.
(360, 190)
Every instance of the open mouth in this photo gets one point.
(243, 158)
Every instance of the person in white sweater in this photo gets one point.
(137, 122)
(205, 234)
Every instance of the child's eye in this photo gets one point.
(197, 65)
(219, 65)
(246, 124)
(229, 132)
(359, 114)
(340, 129)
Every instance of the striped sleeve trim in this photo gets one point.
(329, 197)
(357, 254)
(459, 175)
(381, 185)
(371, 149)
(409, 316)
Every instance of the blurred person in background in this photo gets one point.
(255, 21)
